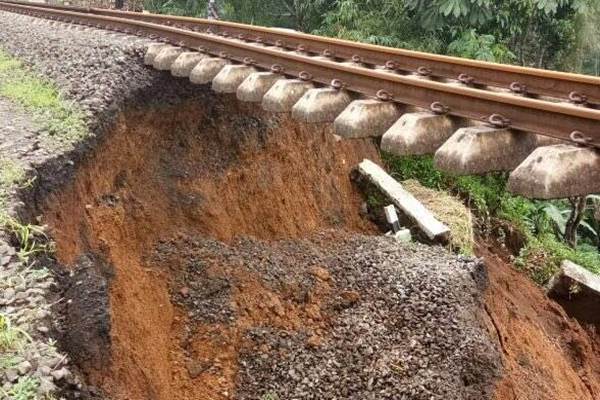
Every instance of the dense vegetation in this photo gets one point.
(540, 226)
(555, 34)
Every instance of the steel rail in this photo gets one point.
(558, 120)
(530, 82)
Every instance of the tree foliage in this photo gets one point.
(302, 15)
(541, 33)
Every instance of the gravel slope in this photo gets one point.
(374, 319)
(99, 70)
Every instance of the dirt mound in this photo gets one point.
(547, 355)
(187, 313)
(334, 316)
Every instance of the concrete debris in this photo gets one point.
(402, 235)
(406, 202)
(577, 290)
(570, 274)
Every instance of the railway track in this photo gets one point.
(530, 82)
(513, 105)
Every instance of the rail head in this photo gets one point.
(535, 83)
(558, 120)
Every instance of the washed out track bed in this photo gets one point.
(214, 251)
(206, 249)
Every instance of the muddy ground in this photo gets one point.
(207, 249)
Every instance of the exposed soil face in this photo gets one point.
(170, 302)
(167, 302)
(547, 355)
(210, 168)
(213, 166)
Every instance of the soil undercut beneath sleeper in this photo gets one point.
(219, 252)
(209, 250)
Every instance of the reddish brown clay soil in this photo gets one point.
(547, 355)
(213, 347)
(207, 171)
(217, 173)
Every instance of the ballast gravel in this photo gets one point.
(101, 73)
(403, 320)
(99, 70)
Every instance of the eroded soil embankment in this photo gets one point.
(547, 355)
(213, 169)
(162, 307)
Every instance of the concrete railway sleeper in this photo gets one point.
(498, 131)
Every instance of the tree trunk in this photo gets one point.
(577, 213)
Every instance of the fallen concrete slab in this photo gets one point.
(152, 52)
(206, 70)
(254, 88)
(366, 118)
(418, 134)
(185, 63)
(479, 149)
(321, 105)
(167, 56)
(284, 94)
(577, 290)
(405, 201)
(231, 77)
(556, 172)
(572, 273)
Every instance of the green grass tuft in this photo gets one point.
(10, 173)
(11, 337)
(25, 389)
(62, 122)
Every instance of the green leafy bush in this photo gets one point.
(488, 197)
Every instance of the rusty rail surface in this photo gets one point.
(562, 120)
(536, 83)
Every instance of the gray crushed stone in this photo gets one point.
(414, 332)
(91, 67)
(19, 135)
(100, 70)
(25, 306)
